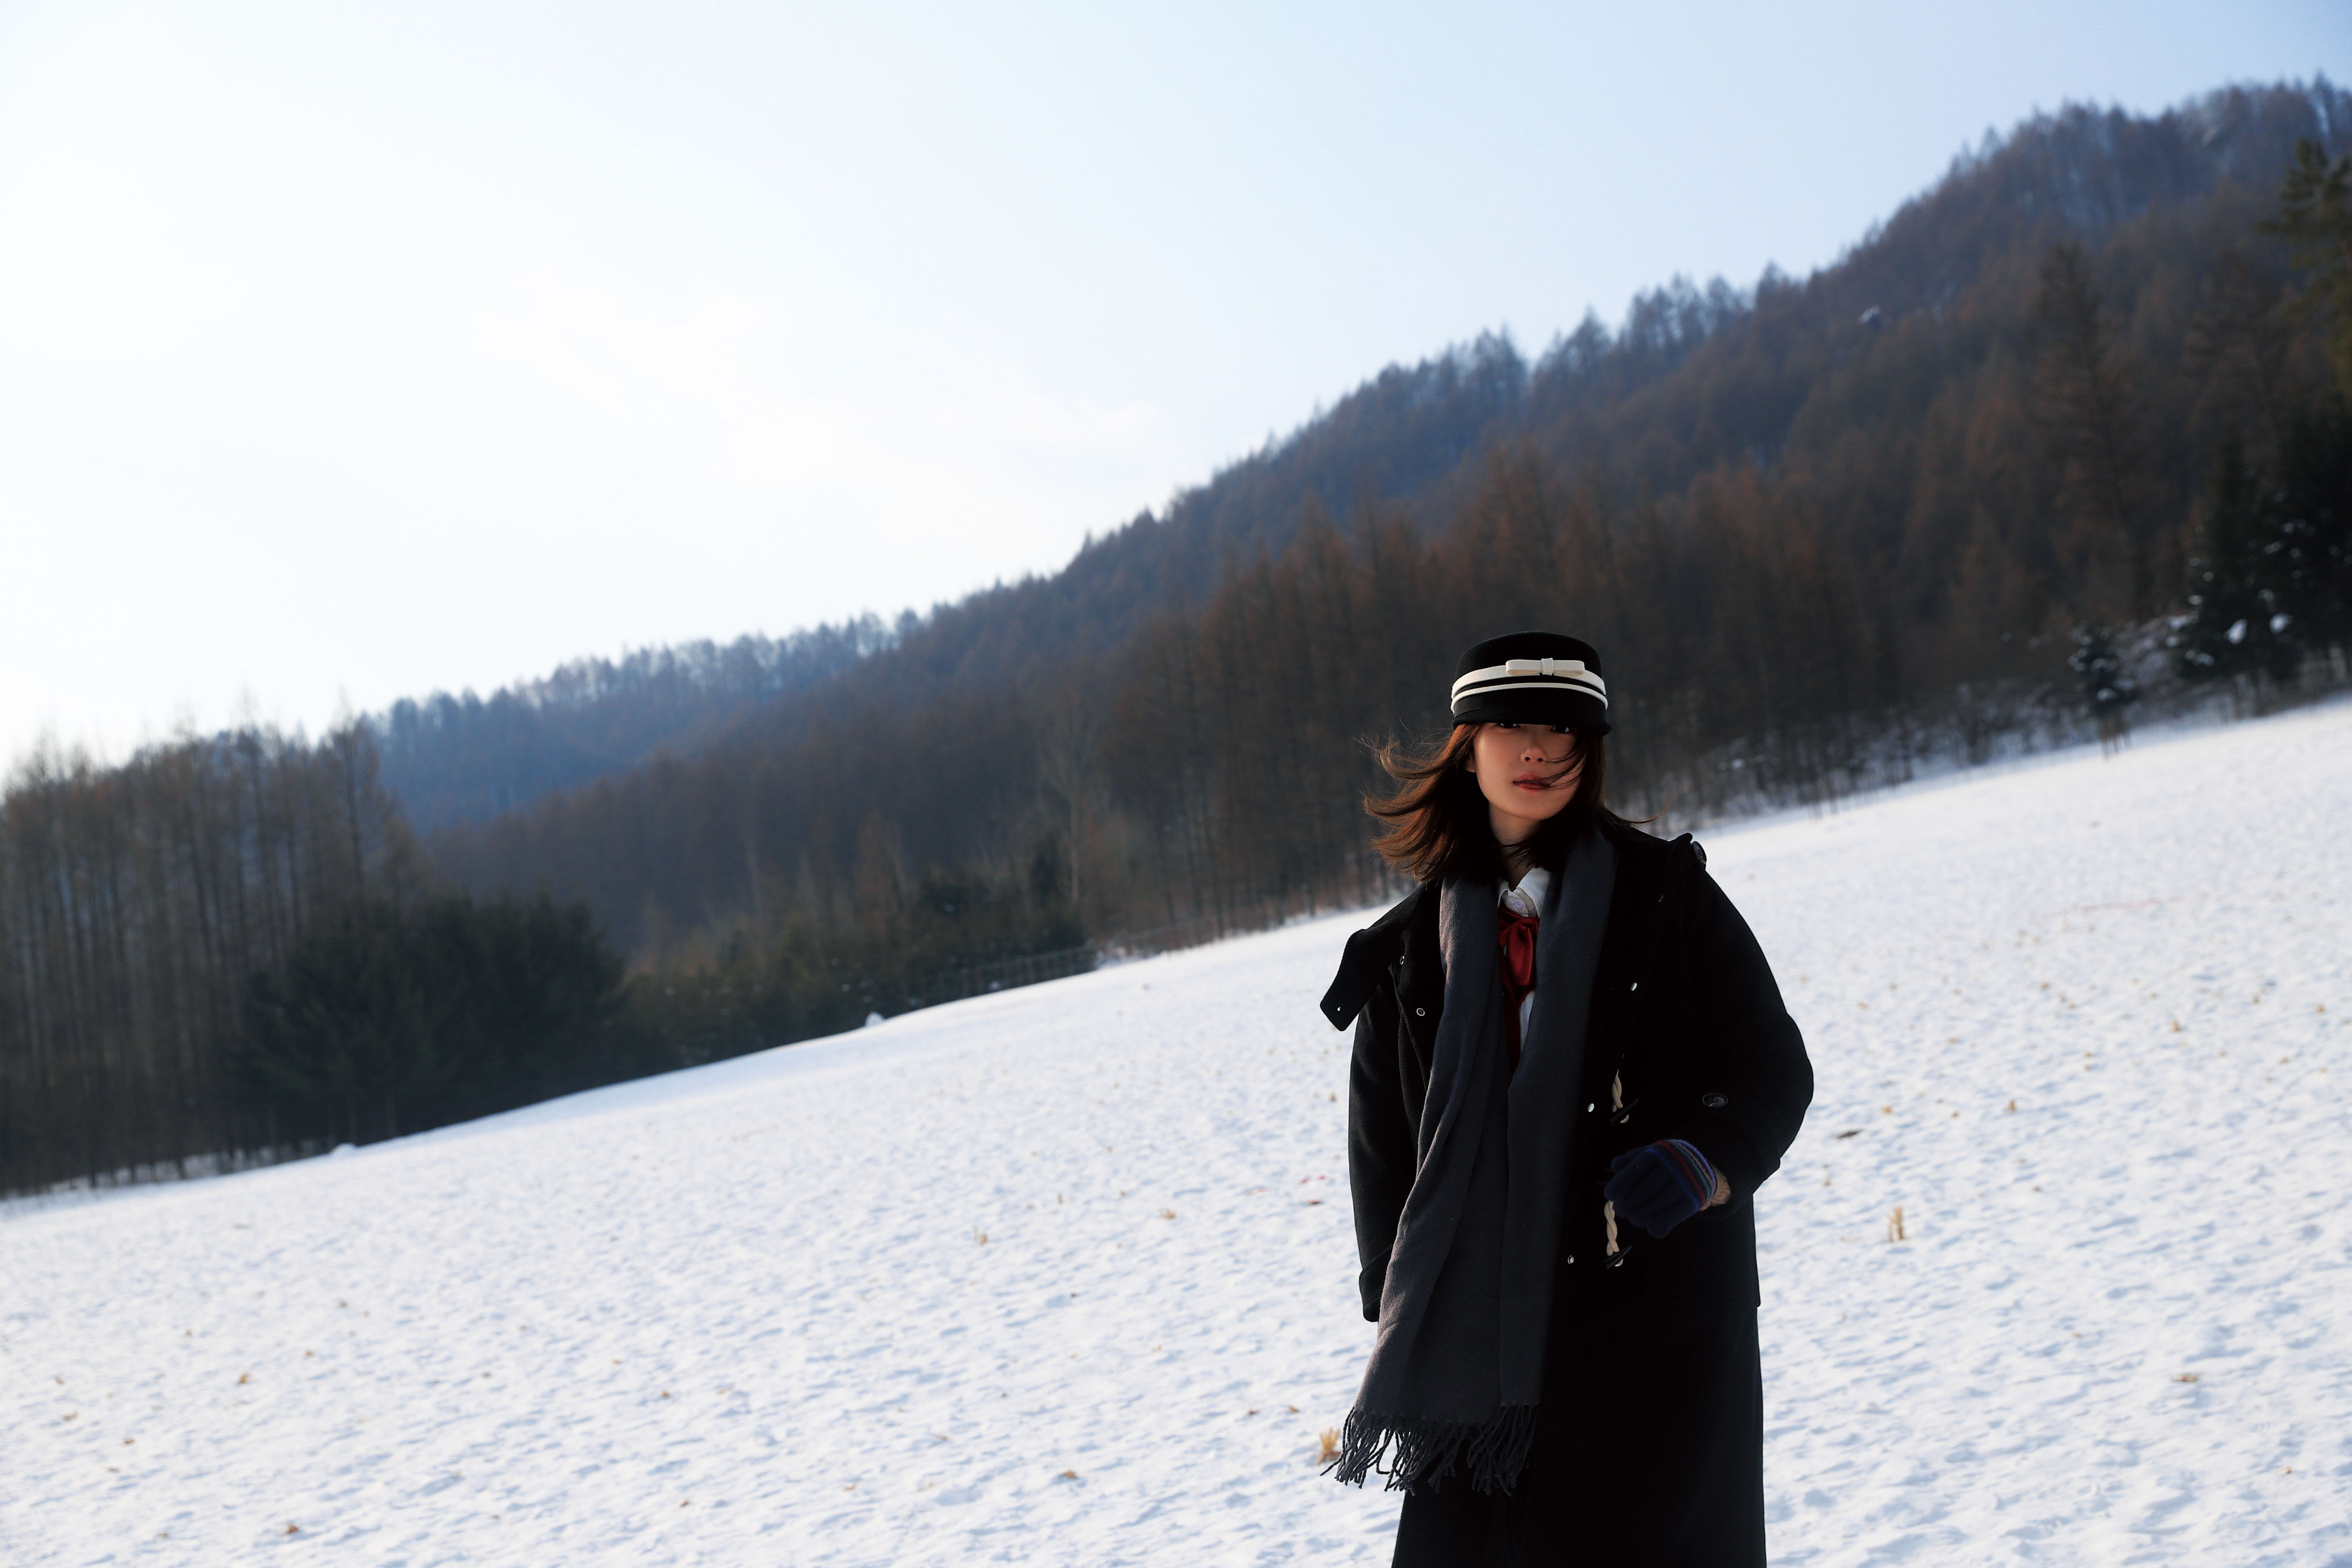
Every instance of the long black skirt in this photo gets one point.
(1649, 1453)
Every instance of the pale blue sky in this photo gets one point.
(348, 351)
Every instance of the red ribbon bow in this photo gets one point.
(1515, 934)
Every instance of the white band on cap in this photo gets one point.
(1548, 674)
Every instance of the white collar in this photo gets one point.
(1527, 898)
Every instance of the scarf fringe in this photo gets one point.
(1423, 1453)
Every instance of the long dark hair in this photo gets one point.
(1436, 824)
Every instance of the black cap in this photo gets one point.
(1532, 678)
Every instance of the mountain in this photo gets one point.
(458, 759)
(1815, 522)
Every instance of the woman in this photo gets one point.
(1572, 1070)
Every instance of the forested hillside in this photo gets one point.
(1820, 527)
(463, 758)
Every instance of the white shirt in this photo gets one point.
(1527, 899)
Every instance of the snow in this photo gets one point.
(1065, 1273)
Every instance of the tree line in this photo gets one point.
(226, 951)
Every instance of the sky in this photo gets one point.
(352, 353)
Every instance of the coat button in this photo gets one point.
(1713, 1101)
(1570, 1260)
(1421, 1011)
(1635, 986)
(1591, 1108)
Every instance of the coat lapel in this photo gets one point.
(1367, 956)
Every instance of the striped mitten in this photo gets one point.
(1661, 1185)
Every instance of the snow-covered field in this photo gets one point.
(1064, 1275)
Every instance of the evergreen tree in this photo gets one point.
(2310, 549)
(392, 1020)
(2236, 626)
(2105, 679)
(346, 1033)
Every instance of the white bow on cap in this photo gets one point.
(1571, 670)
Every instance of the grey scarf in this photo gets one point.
(1457, 1367)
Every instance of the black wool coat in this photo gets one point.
(1687, 1038)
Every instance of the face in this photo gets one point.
(1527, 774)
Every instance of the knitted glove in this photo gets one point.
(1660, 1186)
